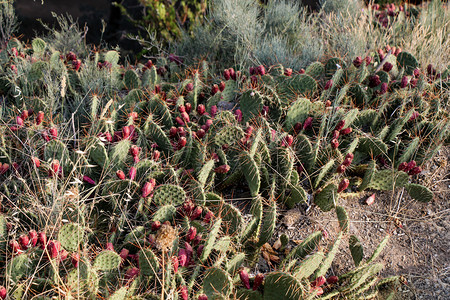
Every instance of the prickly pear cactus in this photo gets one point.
(107, 260)
(169, 194)
(71, 235)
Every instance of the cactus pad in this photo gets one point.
(419, 192)
(282, 286)
(148, 262)
(107, 260)
(356, 249)
(326, 198)
(169, 194)
(71, 235)
(217, 281)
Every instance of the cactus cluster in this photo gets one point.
(137, 162)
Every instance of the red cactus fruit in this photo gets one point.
(347, 162)
(156, 225)
(196, 213)
(19, 121)
(334, 143)
(173, 132)
(135, 150)
(132, 173)
(189, 87)
(345, 131)
(24, 240)
(288, 140)
(244, 278)
(288, 72)
(317, 291)
(39, 117)
(357, 62)
(301, 71)
(403, 166)
(53, 248)
(36, 161)
(76, 64)
(192, 232)
(89, 180)
(329, 84)
(108, 137)
(55, 166)
(343, 185)
(221, 86)
(416, 73)
(109, 246)
(370, 200)
(254, 80)
(201, 109)
(383, 88)
(181, 143)
(410, 165)
(332, 279)
(120, 174)
(414, 115)
(234, 74)
(3, 168)
(387, 66)
(265, 111)
(308, 123)
(208, 217)
(181, 108)
(71, 56)
(238, 115)
(182, 257)
(184, 292)
(126, 132)
(124, 254)
(202, 297)
(131, 273)
(4, 293)
(63, 254)
(404, 82)
(340, 125)
(368, 60)
(188, 107)
(175, 263)
(214, 89)
(42, 239)
(374, 81)
(327, 103)
(53, 132)
(75, 258)
(155, 155)
(415, 171)
(148, 64)
(185, 117)
(261, 70)
(200, 250)
(188, 206)
(226, 74)
(33, 236)
(259, 278)
(15, 246)
(222, 169)
(335, 134)
(148, 187)
(297, 127)
(319, 281)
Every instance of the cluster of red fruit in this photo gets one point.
(339, 130)
(316, 285)
(410, 168)
(259, 278)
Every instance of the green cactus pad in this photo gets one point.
(98, 154)
(252, 228)
(407, 61)
(298, 85)
(165, 213)
(148, 262)
(119, 154)
(379, 249)
(120, 294)
(298, 112)
(235, 263)
(169, 194)
(419, 192)
(55, 149)
(18, 267)
(388, 180)
(107, 260)
(229, 135)
(372, 146)
(305, 248)
(251, 173)
(324, 170)
(204, 172)
(409, 152)
(210, 241)
(298, 195)
(38, 45)
(315, 70)
(326, 198)
(231, 219)
(268, 224)
(328, 260)
(217, 281)
(112, 57)
(244, 294)
(155, 133)
(131, 80)
(282, 286)
(37, 71)
(356, 249)
(71, 235)
(309, 265)
(342, 218)
(331, 66)
(251, 104)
